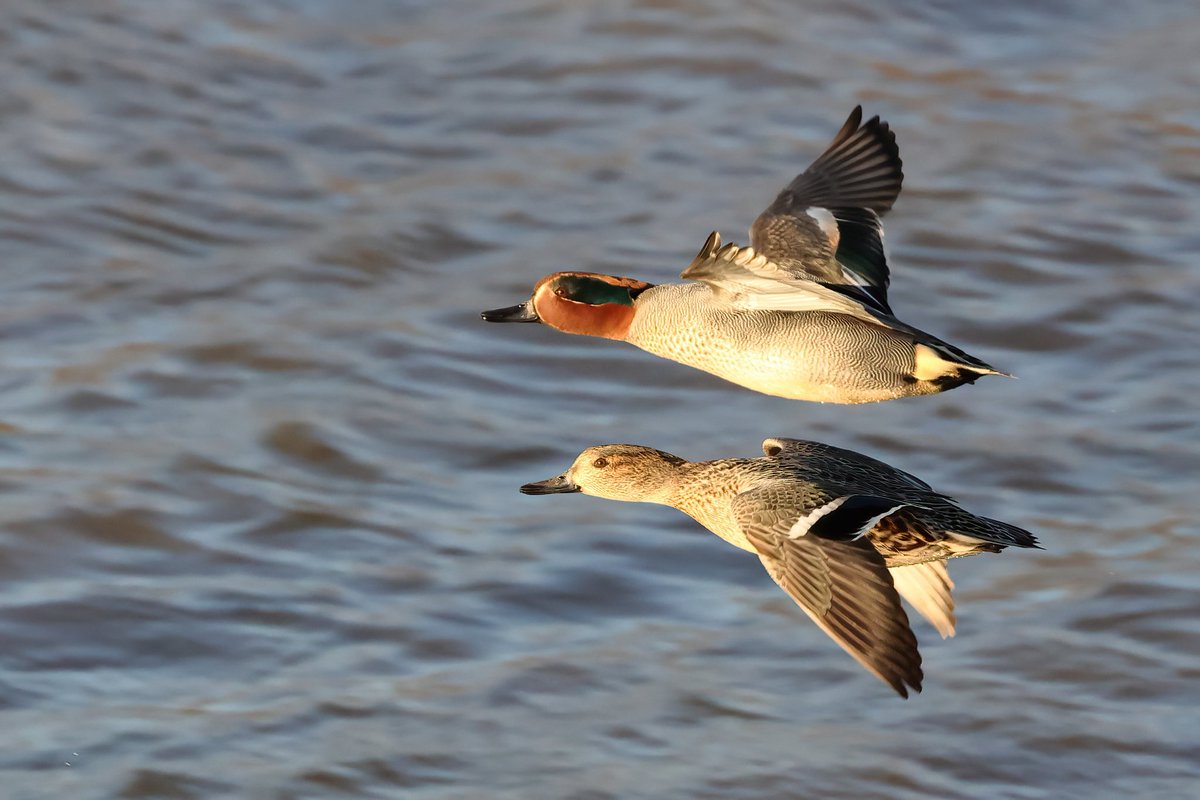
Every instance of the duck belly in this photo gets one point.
(815, 356)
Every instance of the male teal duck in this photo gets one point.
(802, 313)
(843, 534)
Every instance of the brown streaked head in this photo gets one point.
(627, 472)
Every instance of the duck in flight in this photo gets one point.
(801, 313)
(845, 535)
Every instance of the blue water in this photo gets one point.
(259, 457)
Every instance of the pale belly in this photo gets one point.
(813, 356)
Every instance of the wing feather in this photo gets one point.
(928, 589)
(843, 586)
(748, 280)
(856, 179)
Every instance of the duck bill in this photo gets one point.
(560, 485)
(522, 313)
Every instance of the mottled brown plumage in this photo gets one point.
(840, 532)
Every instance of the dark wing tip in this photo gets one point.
(885, 140)
(914, 683)
(852, 124)
(912, 677)
(901, 668)
(861, 168)
(909, 676)
(865, 616)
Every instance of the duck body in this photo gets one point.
(801, 313)
(805, 476)
(821, 356)
(845, 535)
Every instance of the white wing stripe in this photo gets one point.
(827, 223)
(800, 527)
(873, 521)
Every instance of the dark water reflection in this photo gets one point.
(260, 530)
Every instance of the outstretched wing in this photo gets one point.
(822, 560)
(825, 225)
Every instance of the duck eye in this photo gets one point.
(600, 463)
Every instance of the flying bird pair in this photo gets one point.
(801, 313)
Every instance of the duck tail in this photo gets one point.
(946, 366)
(1005, 535)
(989, 534)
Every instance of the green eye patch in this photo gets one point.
(593, 291)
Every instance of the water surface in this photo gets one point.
(260, 534)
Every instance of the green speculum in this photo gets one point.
(592, 291)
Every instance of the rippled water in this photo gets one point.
(261, 535)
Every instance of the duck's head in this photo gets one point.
(615, 472)
(578, 302)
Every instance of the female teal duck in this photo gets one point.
(843, 534)
(802, 313)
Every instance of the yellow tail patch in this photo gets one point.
(930, 364)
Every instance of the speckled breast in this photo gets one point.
(817, 356)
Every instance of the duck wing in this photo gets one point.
(824, 226)
(747, 280)
(927, 588)
(822, 560)
(847, 465)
